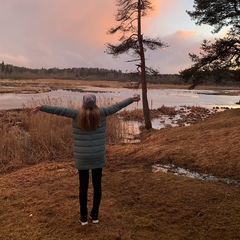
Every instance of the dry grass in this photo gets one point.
(210, 146)
(44, 137)
(41, 201)
(195, 112)
(27, 140)
(44, 85)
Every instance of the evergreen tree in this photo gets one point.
(129, 18)
(220, 59)
(2, 67)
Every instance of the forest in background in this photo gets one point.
(8, 71)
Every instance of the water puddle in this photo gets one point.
(176, 117)
(187, 173)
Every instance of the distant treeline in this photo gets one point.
(8, 71)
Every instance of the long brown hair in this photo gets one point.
(89, 118)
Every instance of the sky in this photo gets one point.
(73, 33)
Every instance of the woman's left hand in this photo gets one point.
(136, 97)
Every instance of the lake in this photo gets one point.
(156, 97)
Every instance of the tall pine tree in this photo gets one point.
(129, 24)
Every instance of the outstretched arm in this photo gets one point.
(62, 111)
(118, 106)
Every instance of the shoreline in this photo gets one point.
(47, 85)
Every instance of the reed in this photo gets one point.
(28, 140)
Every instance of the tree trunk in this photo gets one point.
(146, 111)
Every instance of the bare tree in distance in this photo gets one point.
(129, 24)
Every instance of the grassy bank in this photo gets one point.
(41, 201)
(211, 146)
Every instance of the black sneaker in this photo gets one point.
(83, 220)
(94, 218)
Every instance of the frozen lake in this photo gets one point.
(156, 97)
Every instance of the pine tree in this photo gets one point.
(129, 18)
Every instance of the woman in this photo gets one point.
(89, 137)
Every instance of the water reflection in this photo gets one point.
(156, 97)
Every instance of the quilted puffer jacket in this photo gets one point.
(89, 146)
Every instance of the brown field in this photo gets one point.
(39, 186)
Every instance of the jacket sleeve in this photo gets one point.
(61, 111)
(118, 106)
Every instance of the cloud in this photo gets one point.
(185, 34)
(175, 57)
(63, 33)
(18, 60)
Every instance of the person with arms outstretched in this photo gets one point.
(89, 140)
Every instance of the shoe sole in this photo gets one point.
(94, 221)
(83, 223)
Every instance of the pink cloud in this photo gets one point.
(89, 25)
(166, 6)
(19, 60)
(185, 34)
(63, 33)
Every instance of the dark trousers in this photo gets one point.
(83, 190)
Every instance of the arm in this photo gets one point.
(118, 106)
(67, 112)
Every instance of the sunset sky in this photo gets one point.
(73, 33)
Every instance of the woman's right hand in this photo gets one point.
(35, 109)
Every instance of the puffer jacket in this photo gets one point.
(89, 146)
